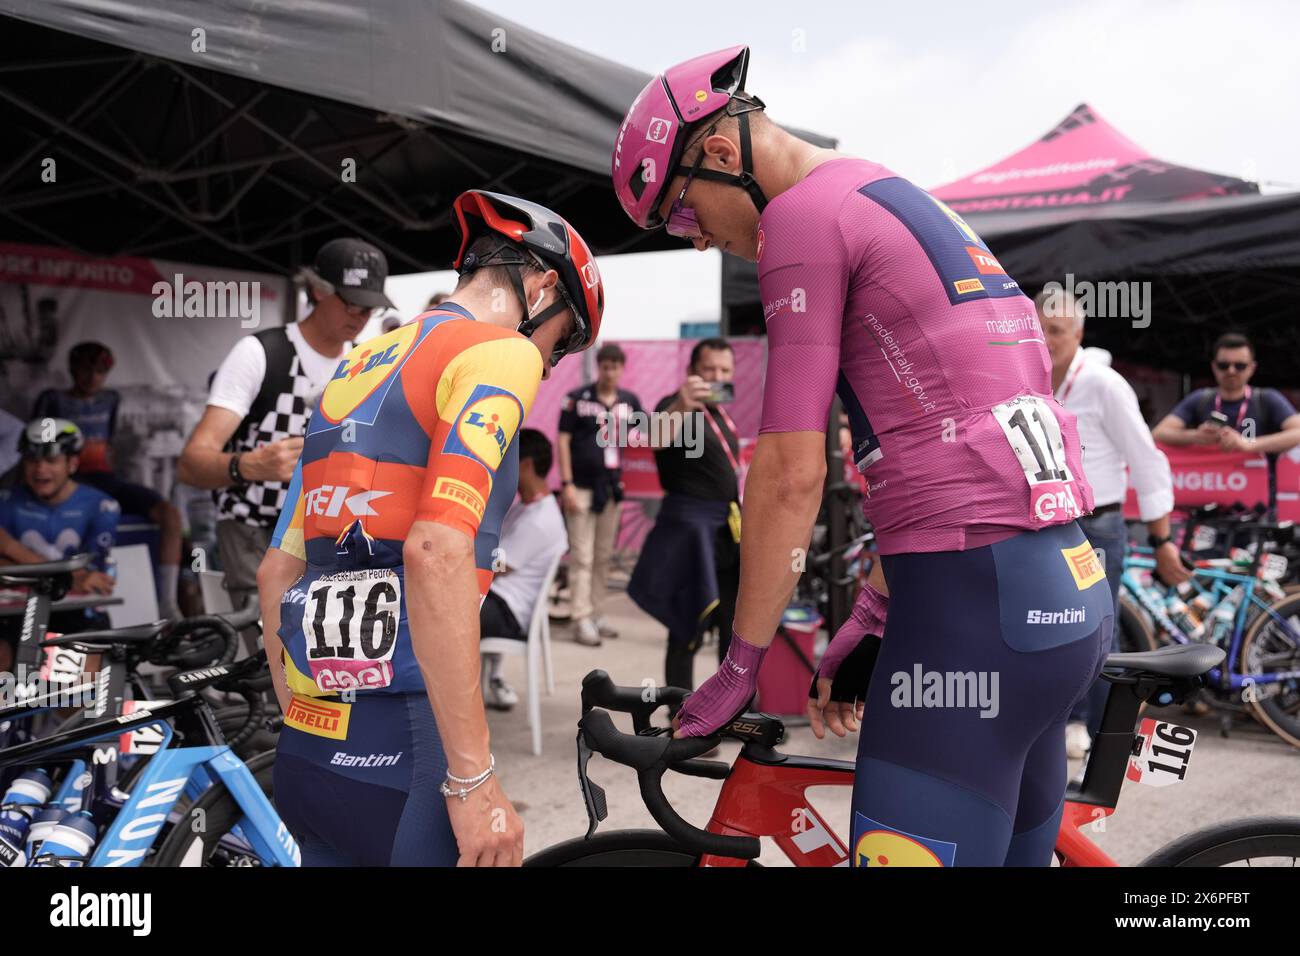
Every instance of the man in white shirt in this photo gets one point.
(248, 441)
(532, 536)
(1113, 436)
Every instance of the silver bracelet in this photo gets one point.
(492, 765)
(464, 792)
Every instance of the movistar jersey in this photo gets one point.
(876, 291)
(416, 425)
(96, 416)
(85, 523)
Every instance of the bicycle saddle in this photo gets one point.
(1176, 660)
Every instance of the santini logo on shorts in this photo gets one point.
(1071, 615)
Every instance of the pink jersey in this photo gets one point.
(876, 291)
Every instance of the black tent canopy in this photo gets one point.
(1087, 202)
(238, 154)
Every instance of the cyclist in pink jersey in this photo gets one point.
(875, 291)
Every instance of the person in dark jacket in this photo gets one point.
(689, 569)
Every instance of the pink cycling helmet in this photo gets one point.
(660, 121)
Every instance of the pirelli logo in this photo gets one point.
(449, 489)
(968, 285)
(319, 717)
(1084, 565)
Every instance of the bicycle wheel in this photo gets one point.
(1256, 841)
(202, 837)
(618, 848)
(1266, 648)
(1135, 630)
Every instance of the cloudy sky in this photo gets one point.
(937, 90)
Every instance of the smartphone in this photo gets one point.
(1218, 419)
(720, 393)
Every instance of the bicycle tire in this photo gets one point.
(1233, 842)
(184, 846)
(1135, 631)
(619, 848)
(1279, 713)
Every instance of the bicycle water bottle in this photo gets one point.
(45, 821)
(69, 842)
(1178, 612)
(1201, 605)
(20, 803)
(1223, 616)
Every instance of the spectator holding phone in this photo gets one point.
(689, 570)
(1234, 416)
(591, 471)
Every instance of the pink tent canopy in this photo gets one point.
(1083, 160)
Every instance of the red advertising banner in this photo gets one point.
(1204, 476)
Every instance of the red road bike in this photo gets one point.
(764, 793)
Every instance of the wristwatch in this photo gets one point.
(235, 476)
(1157, 542)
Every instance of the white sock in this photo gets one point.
(168, 575)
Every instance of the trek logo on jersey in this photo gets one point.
(449, 489)
(329, 500)
(319, 717)
(963, 286)
(485, 426)
(985, 261)
(363, 371)
(1085, 567)
(875, 844)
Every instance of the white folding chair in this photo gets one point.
(538, 651)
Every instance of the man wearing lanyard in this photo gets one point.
(689, 570)
(1257, 420)
(1113, 436)
(591, 470)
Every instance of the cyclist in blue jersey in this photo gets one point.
(54, 517)
(93, 409)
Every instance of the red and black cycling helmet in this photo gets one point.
(533, 235)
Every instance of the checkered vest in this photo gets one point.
(279, 411)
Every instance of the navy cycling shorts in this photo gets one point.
(961, 760)
(357, 784)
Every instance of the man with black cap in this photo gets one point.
(248, 441)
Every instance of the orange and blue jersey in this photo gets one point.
(416, 425)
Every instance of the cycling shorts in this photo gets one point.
(357, 783)
(961, 759)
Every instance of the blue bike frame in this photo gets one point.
(1156, 608)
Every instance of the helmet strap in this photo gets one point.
(745, 180)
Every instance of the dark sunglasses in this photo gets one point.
(1239, 366)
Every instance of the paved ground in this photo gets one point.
(1250, 773)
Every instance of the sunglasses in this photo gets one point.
(682, 222)
(1238, 366)
(577, 340)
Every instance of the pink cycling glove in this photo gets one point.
(724, 695)
(867, 617)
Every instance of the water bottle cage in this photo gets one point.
(52, 859)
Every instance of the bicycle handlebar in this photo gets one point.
(650, 757)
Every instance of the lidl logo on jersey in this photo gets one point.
(875, 844)
(485, 425)
(364, 370)
(1085, 567)
(957, 253)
